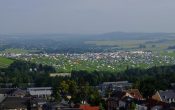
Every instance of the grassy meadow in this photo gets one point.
(5, 62)
(155, 45)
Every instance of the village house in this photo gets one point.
(23, 103)
(122, 99)
(61, 106)
(19, 93)
(134, 93)
(113, 101)
(167, 96)
(37, 103)
(40, 92)
(4, 92)
(128, 103)
(156, 105)
(15, 103)
(114, 86)
(60, 74)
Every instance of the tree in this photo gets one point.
(133, 106)
(64, 88)
(56, 94)
(147, 87)
(101, 106)
(73, 89)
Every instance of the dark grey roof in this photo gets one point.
(19, 92)
(6, 90)
(38, 100)
(59, 106)
(168, 94)
(14, 102)
(116, 96)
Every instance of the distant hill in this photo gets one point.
(104, 36)
(134, 36)
(52, 43)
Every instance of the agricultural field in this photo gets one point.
(120, 43)
(112, 61)
(147, 45)
(5, 62)
(101, 54)
(14, 50)
(18, 51)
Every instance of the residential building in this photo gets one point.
(37, 103)
(4, 92)
(128, 103)
(155, 104)
(19, 93)
(134, 93)
(15, 103)
(40, 91)
(113, 101)
(114, 86)
(123, 99)
(60, 74)
(167, 96)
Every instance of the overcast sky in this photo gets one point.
(86, 16)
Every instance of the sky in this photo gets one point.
(86, 16)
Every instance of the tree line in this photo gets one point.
(21, 73)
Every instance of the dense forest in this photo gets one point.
(146, 80)
(21, 74)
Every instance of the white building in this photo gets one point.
(40, 91)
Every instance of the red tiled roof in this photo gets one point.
(88, 107)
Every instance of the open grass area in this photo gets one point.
(107, 62)
(18, 51)
(14, 50)
(5, 62)
(121, 43)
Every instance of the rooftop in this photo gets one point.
(39, 88)
(135, 93)
(14, 102)
(168, 94)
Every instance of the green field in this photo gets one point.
(18, 51)
(155, 45)
(5, 62)
(121, 43)
(63, 63)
